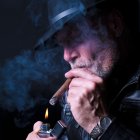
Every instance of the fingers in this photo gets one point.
(84, 90)
(78, 82)
(34, 136)
(83, 73)
(86, 80)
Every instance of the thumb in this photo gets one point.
(37, 126)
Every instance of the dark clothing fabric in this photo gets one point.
(125, 123)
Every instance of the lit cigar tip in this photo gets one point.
(60, 92)
(53, 100)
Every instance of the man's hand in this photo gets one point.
(83, 97)
(33, 135)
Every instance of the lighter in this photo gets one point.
(44, 131)
(57, 131)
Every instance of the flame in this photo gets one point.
(46, 114)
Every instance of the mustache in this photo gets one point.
(95, 68)
(81, 64)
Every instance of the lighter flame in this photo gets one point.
(46, 114)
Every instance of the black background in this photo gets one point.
(19, 33)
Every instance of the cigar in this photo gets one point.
(60, 92)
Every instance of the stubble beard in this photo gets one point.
(98, 67)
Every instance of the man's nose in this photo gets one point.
(70, 54)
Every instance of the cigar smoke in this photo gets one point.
(28, 80)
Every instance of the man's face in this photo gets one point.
(88, 48)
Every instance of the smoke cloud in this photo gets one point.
(30, 79)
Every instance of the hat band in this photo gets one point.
(64, 14)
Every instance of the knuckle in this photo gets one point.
(92, 86)
(84, 92)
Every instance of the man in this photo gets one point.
(103, 99)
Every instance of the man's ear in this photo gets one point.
(115, 23)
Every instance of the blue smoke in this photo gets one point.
(29, 79)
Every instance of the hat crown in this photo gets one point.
(59, 9)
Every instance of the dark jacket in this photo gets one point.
(126, 122)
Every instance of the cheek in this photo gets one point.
(107, 59)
